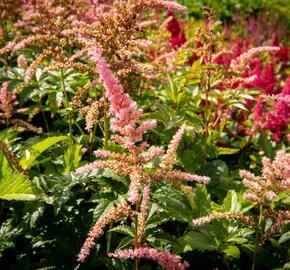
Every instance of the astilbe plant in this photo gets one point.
(128, 133)
(267, 193)
(8, 108)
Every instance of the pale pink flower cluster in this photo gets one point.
(123, 108)
(240, 63)
(79, 54)
(164, 258)
(114, 213)
(151, 154)
(223, 215)
(282, 218)
(168, 5)
(275, 178)
(135, 184)
(144, 213)
(21, 62)
(103, 154)
(30, 40)
(169, 159)
(179, 175)
(91, 113)
(8, 102)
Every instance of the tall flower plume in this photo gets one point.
(128, 130)
(123, 108)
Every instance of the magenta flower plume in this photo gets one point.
(164, 258)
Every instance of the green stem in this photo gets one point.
(90, 142)
(66, 104)
(106, 122)
(79, 127)
(106, 130)
(137, 261)
(109, 238)
(44, 118)
(257, 238)
(41, 109)
(64, 89)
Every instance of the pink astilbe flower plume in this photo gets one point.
(240, 63)
(275, 178)
(114, 213)
(8, 102)
(164, 258)
(128, 130)
(123, 108)
(169, 159)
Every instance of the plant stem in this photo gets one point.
(66, 104)
(109, 238)
(207, 90)
(63, 89)
(137, 262)
(257, 238)
(106, 146)
(44, 118)
(92, 135)
(80, 129)
(106, 121)
(206, 117)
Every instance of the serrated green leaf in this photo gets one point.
(202, 201)
(8, 233)
(231, 202)
(195, 240)
(103, 205)
(14, 185)
(124, 229)
(175, 203)
(34, 151)
(18, 187)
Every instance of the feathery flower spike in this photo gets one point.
(164, 258)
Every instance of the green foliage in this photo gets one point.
(225, 236)
(31, 154)
(14, 185)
